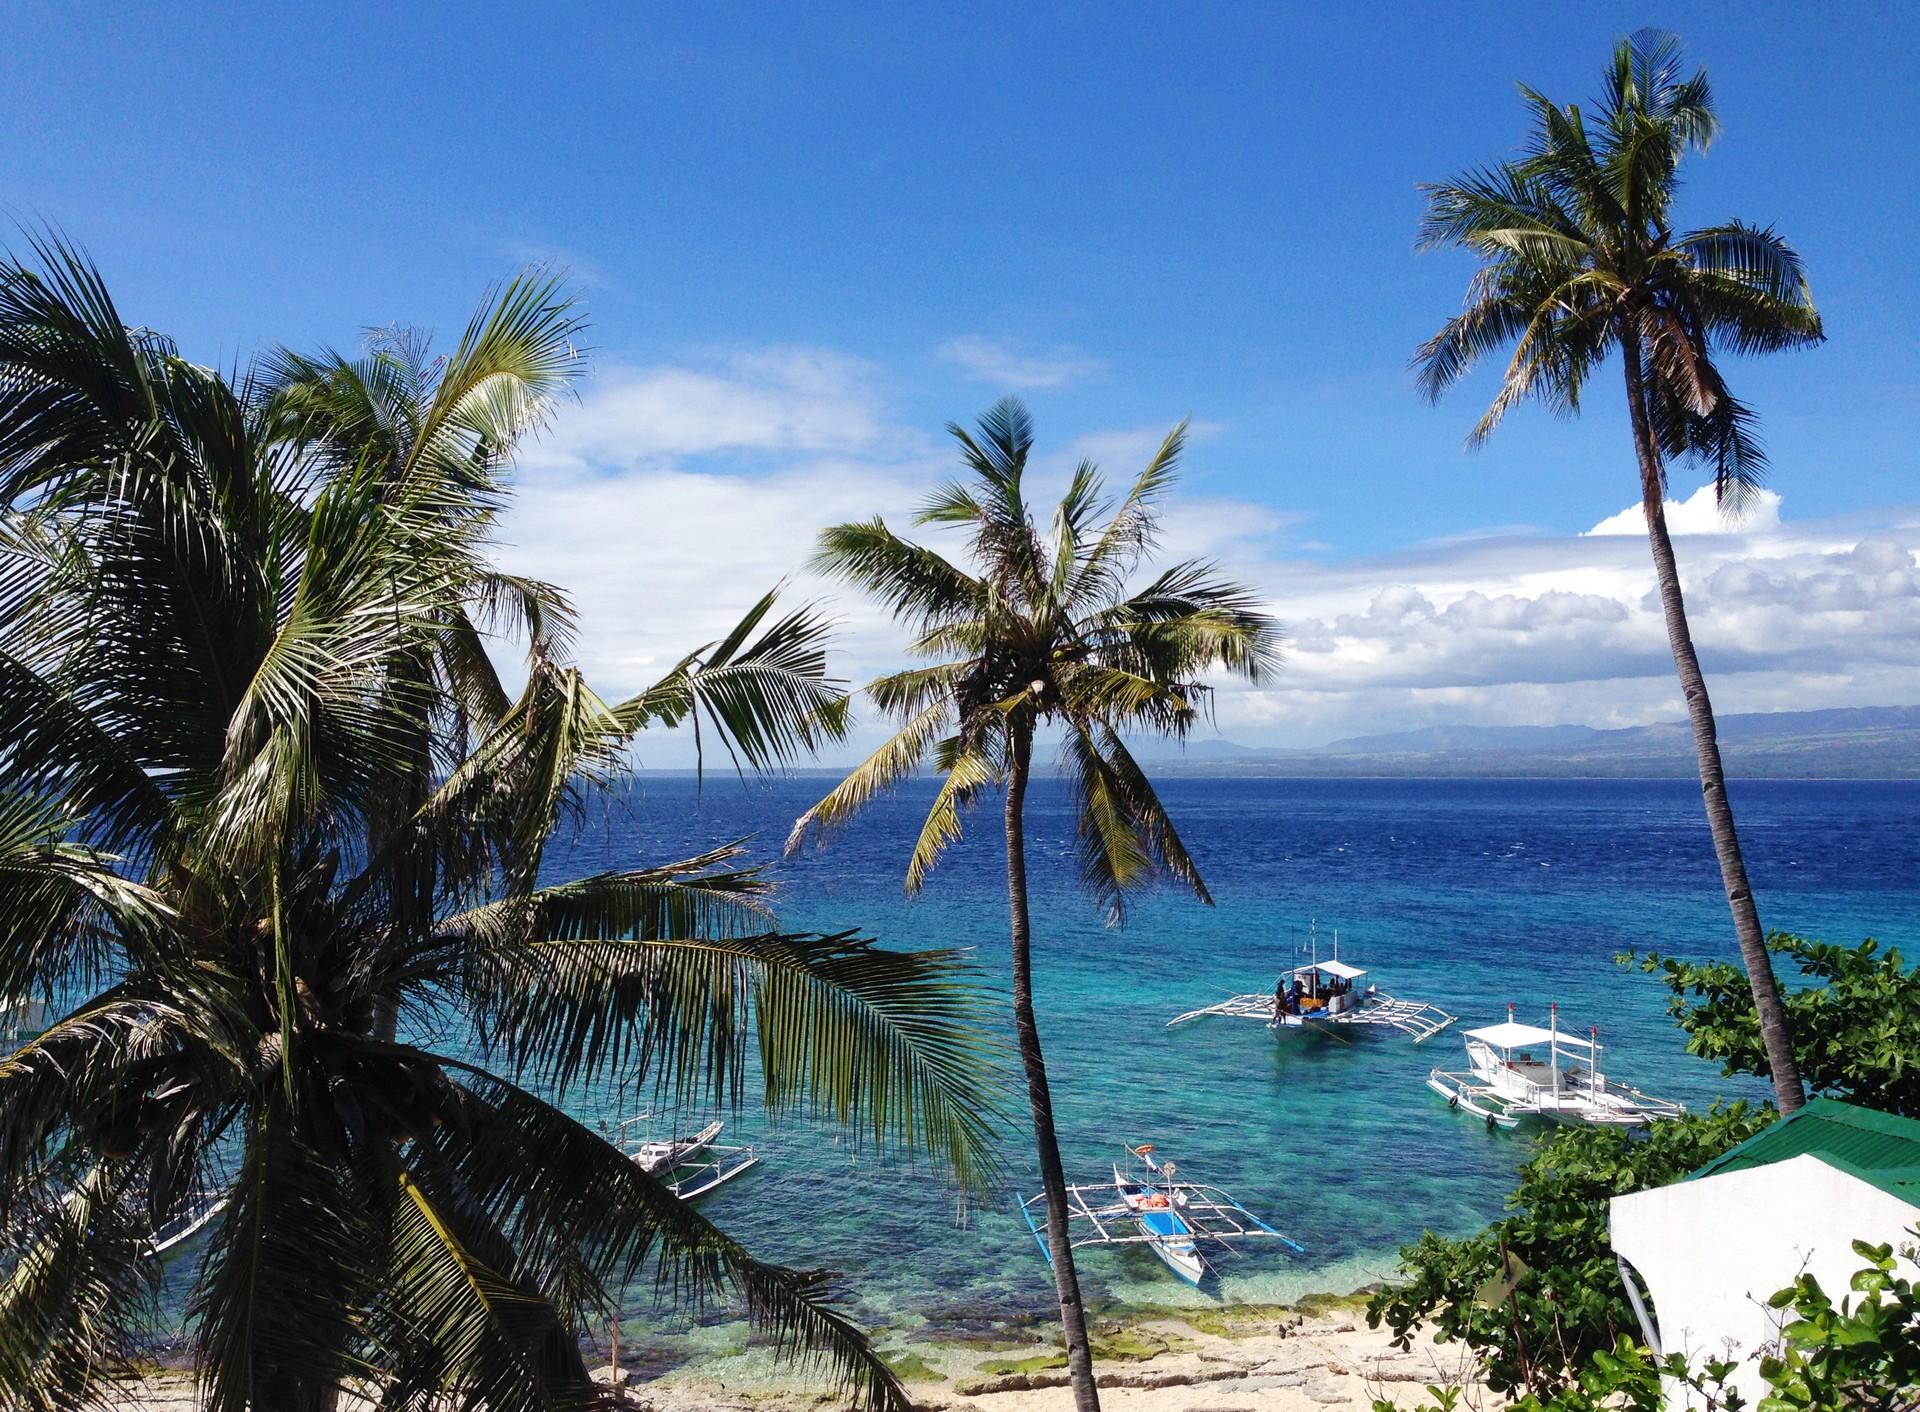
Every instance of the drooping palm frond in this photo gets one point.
(75, 1291)
(886, 1044)
(585, 1196)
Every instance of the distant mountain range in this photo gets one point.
(1867, 742)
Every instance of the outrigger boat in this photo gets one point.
(1151, 1207)
(1324, 994)
(676, 1151)
(188, 1224)
(692, 1164)
(1507, 1079)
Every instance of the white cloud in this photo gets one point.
(674, 495)
(984, 360)
(1538, 629)
(1700, 513)
(771, 401)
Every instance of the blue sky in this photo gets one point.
(829, 229)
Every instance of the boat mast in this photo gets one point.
(1553, 1024)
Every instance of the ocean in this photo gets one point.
(1468, 894)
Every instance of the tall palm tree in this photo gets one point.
(1579, 259)
(277, 840)
(1044, 630)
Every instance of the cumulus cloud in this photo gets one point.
(1538, 629)
(783, 401)
(985, 360)
(1701, 513)
(674, 495)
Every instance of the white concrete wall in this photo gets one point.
(1710, 1252)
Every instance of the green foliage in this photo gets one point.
(1861, 1355)
(1855, 1023)
(1566, 1303)
(1049, 628)
(268, 812)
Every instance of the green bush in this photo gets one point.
(1856, 1022)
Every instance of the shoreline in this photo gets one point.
(1314, 1354)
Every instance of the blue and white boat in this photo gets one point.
(1147, 1204)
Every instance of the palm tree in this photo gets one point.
(1579, 258)
(1044, 631)
(277, 839)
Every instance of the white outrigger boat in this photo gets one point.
(1174, 1219)
(1520, 1071)
(188, 1224)
(692, 1164)
(1323, 994)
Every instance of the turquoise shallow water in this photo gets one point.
(1465, 893)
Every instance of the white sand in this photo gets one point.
(1276, 1363)
(1295, 1364)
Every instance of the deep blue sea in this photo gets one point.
(1469, 894)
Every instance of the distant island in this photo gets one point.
(1868, 742)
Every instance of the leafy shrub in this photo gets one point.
(1856, 1024)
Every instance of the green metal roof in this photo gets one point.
(1880, 1149)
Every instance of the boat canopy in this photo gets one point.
(1509, 1035)
(1339, 969)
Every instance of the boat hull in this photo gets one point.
(1171, 1240)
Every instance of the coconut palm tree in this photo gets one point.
(1044, 631)
(278, 841)
(1580, 258)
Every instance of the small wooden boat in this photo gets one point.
(1518, 1072)
(1177, 1220)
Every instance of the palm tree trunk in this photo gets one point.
(1053, 1182)
(1788, 1091)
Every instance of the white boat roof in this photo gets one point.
(1331, 968)
(1508, 1035)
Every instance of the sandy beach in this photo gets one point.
(1233, 1359)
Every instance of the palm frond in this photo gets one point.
(885, 1043)
(75, 1291)
(768, 697)
(897, 758)
(288, 1270)
(466, 1328)
(965, 770)
(586, 1195)
(914, 582)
